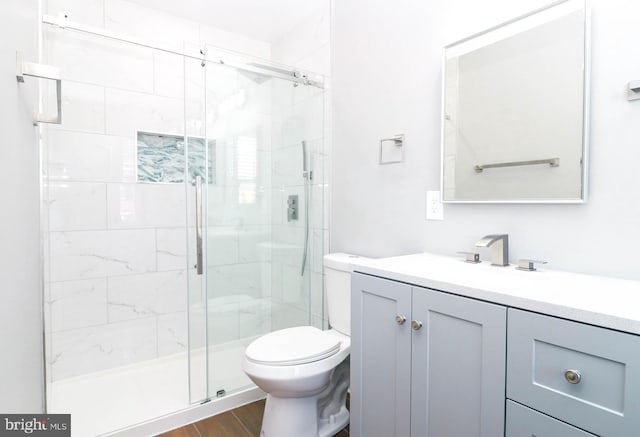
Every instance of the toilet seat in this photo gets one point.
(293, 346)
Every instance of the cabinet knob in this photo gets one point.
(416, 324)
(400, 319)
(572, 376)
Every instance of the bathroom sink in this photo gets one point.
(592, 299)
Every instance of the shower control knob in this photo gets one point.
(400, 319)
(416, 325)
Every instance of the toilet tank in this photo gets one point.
(337, 277)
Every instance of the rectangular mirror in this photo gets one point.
(515, 110)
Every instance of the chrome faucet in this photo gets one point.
(499, 244)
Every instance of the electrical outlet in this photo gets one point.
(434, 206)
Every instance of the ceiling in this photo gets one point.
(266, 20)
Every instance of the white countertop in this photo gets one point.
(597, 300)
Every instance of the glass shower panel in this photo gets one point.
(238, 211)
(298, 133)
(115, 233)
(259, 213)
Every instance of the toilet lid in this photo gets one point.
(291, 346)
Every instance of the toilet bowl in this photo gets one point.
(304, 370)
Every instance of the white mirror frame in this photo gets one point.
(585, 4)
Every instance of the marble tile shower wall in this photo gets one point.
(116, 255)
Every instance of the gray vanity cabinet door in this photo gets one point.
(458, 373)
(380, 357)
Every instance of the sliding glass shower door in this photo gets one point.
(254, 215)
(183, 216)
(115, 231)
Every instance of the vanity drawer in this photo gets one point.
(525, 422)
(581, 374)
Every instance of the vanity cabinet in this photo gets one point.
(495, 353)
(425, 363)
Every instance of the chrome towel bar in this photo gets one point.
(553, 162)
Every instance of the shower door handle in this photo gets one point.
(198, 184)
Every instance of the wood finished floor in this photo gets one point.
(244, 421)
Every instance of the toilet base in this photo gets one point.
(334, 424)
(298, 417)
(290, 417)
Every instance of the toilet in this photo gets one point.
(304, 370)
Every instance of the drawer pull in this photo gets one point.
(416, 324)
(400, 319)
(572, 376)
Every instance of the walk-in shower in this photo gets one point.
(167, 245)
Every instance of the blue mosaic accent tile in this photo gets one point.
(161, 158)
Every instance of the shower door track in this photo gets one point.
(252, 66)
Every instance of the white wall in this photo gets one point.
(386, 80)
(20, 289)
